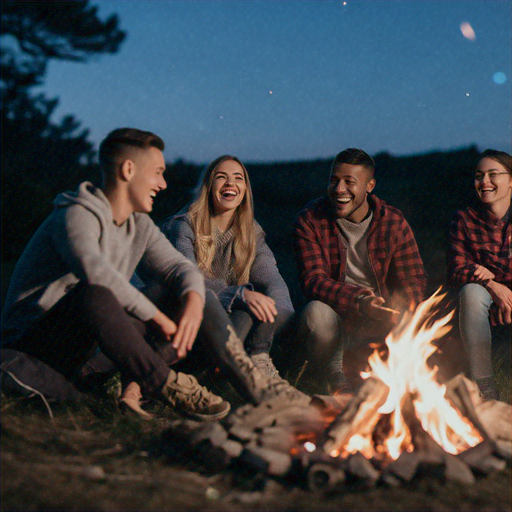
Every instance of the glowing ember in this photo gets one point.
(406, 373)
(309, 446)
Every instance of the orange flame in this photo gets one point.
(406, 371)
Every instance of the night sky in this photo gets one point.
(274, 80)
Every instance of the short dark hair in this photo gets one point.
(354, 156)
(498, 156)
(116, 142)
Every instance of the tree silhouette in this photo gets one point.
(39, 156)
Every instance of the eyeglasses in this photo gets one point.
(479, 176)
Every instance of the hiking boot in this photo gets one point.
(191, 399)
(335, 380)
(336, 383)
(258, 385)
(265, 364)
(130, 401)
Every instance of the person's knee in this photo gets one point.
(100, 308)
(475, 299)
(320, 325)
(474, 324)
(318, 316)
(94, 295)
(211, 303)
(215, 317)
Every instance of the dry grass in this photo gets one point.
(91, 457)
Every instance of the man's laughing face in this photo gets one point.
(348, 188)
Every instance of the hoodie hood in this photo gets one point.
(88, 196)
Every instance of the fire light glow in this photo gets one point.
(406, 373)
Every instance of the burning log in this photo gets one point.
(360, 415)
(429, 455)
(495, 416)
(491, 417)
(331, 406)
(458, 393)
(429, 451)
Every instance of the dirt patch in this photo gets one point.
(91, 457)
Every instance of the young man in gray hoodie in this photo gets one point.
(71, 305)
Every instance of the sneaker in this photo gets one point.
(191, 399)
(265, 364)
(336, 383)
(335, 380)
(130, 401)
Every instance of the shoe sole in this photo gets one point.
(205, 417)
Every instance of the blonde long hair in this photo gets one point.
(201, 214)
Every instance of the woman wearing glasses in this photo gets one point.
(479, 261)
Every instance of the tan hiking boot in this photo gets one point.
(259, 384)
(265, 364)
(130, 401)
(191, 399)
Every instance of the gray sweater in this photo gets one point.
(80, 242)
(264, 276)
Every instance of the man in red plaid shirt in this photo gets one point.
(479, 260)
(359, 267)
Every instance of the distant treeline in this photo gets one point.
(428, 188)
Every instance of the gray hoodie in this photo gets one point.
(80, 242)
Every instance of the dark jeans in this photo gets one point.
(88, 331)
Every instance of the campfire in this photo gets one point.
(401, 423)
(383, 425)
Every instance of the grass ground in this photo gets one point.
(91, 457)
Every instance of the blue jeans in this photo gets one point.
(475, 329)
(259, 336)
(321, 329)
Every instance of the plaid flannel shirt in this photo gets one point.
(478, 237)
(322, 257)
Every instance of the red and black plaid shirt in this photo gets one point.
(478, 237)
(392, 252)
